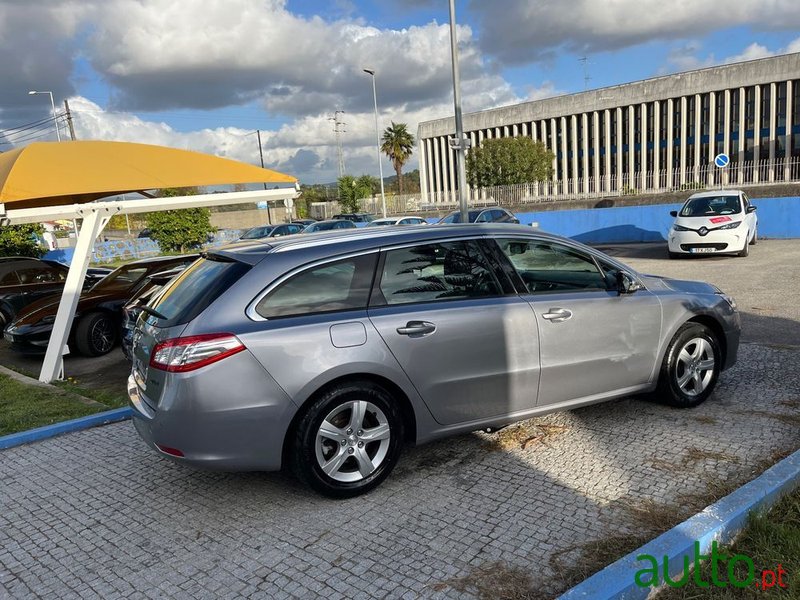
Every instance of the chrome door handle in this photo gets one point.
(557, 315)
(417, 328)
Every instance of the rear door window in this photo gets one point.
(329, 287)
(435, 272)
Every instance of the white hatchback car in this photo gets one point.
(722, 221)
(386, 221)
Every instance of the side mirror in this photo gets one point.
(626, 284)
(751, 209)
(673, 213)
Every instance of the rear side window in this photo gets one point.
(434, 272)
(330, 287)
(195, 288)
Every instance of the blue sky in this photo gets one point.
(205, 74)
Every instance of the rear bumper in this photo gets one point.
(227, 416)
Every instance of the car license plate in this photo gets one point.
(698, 250)
(140, 374)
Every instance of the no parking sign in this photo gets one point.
(722, 160)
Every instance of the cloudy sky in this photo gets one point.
(206, 74)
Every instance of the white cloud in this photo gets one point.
(522, 32)
(686, 57)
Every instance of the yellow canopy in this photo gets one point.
(54, 173)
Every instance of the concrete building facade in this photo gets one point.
(660, 133)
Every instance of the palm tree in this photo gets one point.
(398, 145)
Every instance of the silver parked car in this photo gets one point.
(328, 353)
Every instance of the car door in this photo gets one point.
(467, 342)
(593, 340)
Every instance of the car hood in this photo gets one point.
(658, 282)
(48, 306)
(712, 222)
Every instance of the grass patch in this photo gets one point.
(782, 417)
(770, 540)
(494, 581)
(593, 556)
(705, 420)
(524, 435)
(24, 406)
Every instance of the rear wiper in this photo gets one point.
(154, 312)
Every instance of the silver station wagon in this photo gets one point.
(326, 354)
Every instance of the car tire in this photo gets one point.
(343, 467)
(690, 368)
(744, 252)
(754, 241)
(96, 334)
(3, 323)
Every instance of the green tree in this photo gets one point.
(21, 240)
(179, 229)
(351, 190)
(507, 161)
(398, 145)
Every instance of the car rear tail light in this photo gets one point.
(183, 354)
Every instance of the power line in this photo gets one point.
(44, 133)
(25, 126)
(586, 78)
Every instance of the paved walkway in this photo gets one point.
(96, 514)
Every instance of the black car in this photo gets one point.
(98, 317)
(147, 292)
(356, 217)
(304, 222)
(23, 280)
(493, 214)
(329, 225)
(271, 231)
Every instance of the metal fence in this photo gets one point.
(705, 176)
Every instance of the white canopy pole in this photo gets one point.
(95, 215)
(53, 365)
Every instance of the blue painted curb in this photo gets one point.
(721, 522)
(48, 431)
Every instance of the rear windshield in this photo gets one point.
(194, 289)
(710, 206)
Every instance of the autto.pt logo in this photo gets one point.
(734, 570)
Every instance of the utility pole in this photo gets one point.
(69, 122)
(261, 154)
(586, 78)
(459, 144)
(338, 129)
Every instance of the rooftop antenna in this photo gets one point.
(586, 77)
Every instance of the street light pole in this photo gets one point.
(377, 137)
(460, 144)
(53, 106)
(261, 154)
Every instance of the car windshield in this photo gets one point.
(257, 232)
(323, 226)
(455, 217)
(709, 206)
(123, 278)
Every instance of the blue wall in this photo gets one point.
(777, 218)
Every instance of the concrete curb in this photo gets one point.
(721, 522)
(48, 431)
(19, 377)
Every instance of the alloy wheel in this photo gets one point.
(352, 441)
(695, 366)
